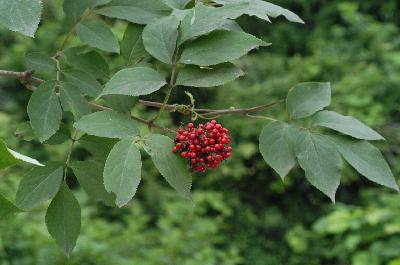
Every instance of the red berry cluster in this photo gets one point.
(205, 147)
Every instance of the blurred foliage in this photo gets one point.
(242, 213)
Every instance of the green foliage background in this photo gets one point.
(243, 213)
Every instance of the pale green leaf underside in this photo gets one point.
(110, 124)
(39, 185)
(277, 146)
(171, 166)
(45, 111)
(217, 75)
(122, 172)
(321, 161)
(22, 16)
(367, 160)
(97, 34)
(219, 47)
(305, 99)
(63, 219)
(134, 82)
(346, 125)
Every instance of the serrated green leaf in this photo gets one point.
(134, 82)
(108, 124)
(171, 166)
(73, 9)
(44, 111)
(219, 47)
(99, 147)
(90, 62)
(136, 11)
(205, 19)
(39, 185)
(90, 177)
(277, 142)
(132, 48)
(367, 160)
(159, 38)
(86, 83)
(321, 161)
(122, 172)
(40, 62)
(180, 4)
(63, 219)
(208, 77)
(346, 125)
(73, 101)
(97, 34)
(305, 99)
(22, 16)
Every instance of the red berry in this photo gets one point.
(175, 149)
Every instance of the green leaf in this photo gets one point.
(159, 38)
(346, 125)
(90, 177)
(208, 77)
(44, 111)
(321, 162)
(204, 19)
(91, 62)
(39, 185)
(63, 219)
(73, 101)
(10, 157)
(95, 3)
(231, 25)
(74, 9)
(120, 103)
(97, 34)
(122, 172)
(305, 99)
(7, 208)
(136, 11)
(277, 142)
(99, 147)
(132, 48)
(367, 160)
(171, 166)
(180, 4)
(219, 47)
(86, 83)
(39, 62)
(24, 131)
(263, 9)
(134, 82)
(108, 124)
(22, 16)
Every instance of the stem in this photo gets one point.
(68, 160)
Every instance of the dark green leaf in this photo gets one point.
(219, 47)
(120, 103)
(136, 11)
(63, 219)
(22, 16)
(277, 142)
(97, 146)
(367, 160)
(346, 125)
(39, 62)
(91, 62)
(170, 165)
(321, 162)
(122, 172)
(74, 9)
(39, 185)
(97, 34)
(208, 77)
(45, 111)
(305, 99)
(73, 101)
(95, 3)
(159, 38)
(86, 83)
(134, 82)
(90, 177)
(132, 48)
(108, 124)
(180, 4)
